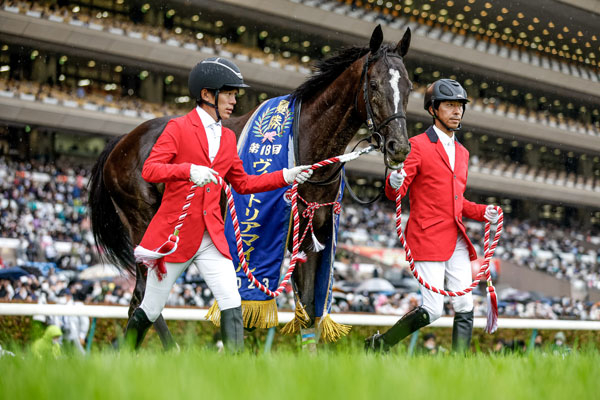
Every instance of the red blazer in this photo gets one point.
(436, 196)
(183, 143)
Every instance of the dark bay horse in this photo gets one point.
(355, 86)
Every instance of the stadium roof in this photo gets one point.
(548, 26)
(566, 29)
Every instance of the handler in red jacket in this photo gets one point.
(436, 172)
(196, 148)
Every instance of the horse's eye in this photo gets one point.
(373, 85)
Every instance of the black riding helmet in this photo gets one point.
(214, 73)
(444, 90)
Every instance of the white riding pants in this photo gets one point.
(218, 273)
(457, 274)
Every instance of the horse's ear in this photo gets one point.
(376, 39)
(404, 44)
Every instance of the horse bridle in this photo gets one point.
(370, 121)
(375, 129)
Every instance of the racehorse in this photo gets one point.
(357, 85)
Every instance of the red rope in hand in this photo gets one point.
(492, 317)
(155, 258)
(308, 213)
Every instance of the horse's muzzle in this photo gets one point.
(395, 153)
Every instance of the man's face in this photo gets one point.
(227, 100)
(450, 113)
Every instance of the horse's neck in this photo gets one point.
(328, 122)
(236, 124)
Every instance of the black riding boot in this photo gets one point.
(232, 329)
(462, 330)
(137, 326)
(409, 323)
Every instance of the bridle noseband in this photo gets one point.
(374, 128)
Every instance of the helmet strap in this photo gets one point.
(215, 106)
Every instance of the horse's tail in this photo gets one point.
(108, 230)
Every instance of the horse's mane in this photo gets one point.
(327, 70)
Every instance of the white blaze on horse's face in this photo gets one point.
(394, 84)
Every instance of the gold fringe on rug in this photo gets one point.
(256, 314)
(332, 331)
(214, 314)
(260, 314)
(301, 320)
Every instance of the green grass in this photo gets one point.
(346, 374)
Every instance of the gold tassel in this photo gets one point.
(301, 320)
(331, 331)
(260, 314)
(214, 314)
(256, 314)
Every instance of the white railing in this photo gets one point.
(199, 314)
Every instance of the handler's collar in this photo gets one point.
(446, 140)
(433, 137)
(206, 118)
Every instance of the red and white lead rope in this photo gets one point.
(155, 258)
(308, 213)
(492, 301)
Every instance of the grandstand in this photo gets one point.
(75, 74)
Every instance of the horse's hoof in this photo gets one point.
(376, 344)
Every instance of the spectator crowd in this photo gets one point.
(564, 252)
(43, 211)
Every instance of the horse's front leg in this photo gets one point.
(304, 277)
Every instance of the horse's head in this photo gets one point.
(385, 90)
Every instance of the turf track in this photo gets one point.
(204, 374)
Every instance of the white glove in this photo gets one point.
(299, 174)
(491, 214)
(201, 175)
(397, 178)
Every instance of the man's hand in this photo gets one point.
(397, 178)
(201, 175)
(299, 174)
(491, 214)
